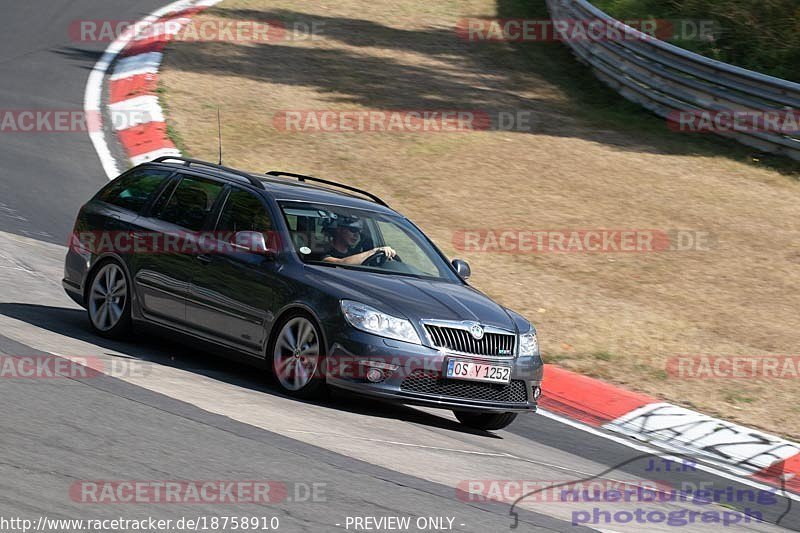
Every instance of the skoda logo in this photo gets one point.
(476, 331)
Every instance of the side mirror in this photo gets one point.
(253, 241)
(462, 268)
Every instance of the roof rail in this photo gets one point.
(255, 182)
(302, 177)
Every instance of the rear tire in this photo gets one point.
(485, 421)
(297, 354)
(109, 301)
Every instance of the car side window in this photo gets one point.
(133, 190)
(191, 203)
(243, 211)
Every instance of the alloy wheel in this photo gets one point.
(108, 297)
(296, 354)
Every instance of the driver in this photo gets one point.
(346, 244)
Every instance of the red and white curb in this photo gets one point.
(139, 123)
(136, 116)
(746, 452)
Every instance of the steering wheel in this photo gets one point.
(378, 259)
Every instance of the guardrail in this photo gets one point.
(669, 80)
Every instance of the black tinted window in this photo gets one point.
(163, 198)
(133, 190)
(191, 203)
(243, 211)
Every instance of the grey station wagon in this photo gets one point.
(319, 281)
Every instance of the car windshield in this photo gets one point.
(361, 239)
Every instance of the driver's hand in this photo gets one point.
(388, 250)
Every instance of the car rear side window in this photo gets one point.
(132, 191)
(244, 211)
(191, 203)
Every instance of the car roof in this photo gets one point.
(285, 189)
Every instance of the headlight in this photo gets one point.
(365, 318)
(528, 343)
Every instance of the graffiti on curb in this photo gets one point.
(692, 432)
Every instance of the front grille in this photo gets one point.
(460, 340)
(423, 382)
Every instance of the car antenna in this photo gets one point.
(219, 136)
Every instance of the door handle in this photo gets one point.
(205, 259)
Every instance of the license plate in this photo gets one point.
(478, 371)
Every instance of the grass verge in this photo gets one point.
(591, 161)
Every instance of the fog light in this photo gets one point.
(537, 391)
(375, 375)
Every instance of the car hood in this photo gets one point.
(412, 297)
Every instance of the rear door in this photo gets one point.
(235, 292)
(168, 243)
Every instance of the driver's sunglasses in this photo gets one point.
(351, 229)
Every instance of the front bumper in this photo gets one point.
(414, 374)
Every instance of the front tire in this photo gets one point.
(297, 354)
(485, 421)
(109, 301)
